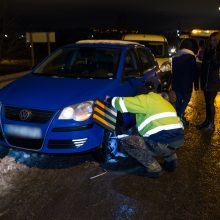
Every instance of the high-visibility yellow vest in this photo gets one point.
(153, 112)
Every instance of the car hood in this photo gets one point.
(42, 92)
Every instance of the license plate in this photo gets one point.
(23, 131)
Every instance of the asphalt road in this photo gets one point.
(57, 188)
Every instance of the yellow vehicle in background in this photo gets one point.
(201, 33)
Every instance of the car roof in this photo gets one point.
(120, 43)
(145, 37)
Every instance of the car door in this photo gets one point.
(132, 79)
(132, 76)
(149, 65)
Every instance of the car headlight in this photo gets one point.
(78, 112)
(165, 67)
(173, 50)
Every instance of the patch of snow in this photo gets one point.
(8, 173)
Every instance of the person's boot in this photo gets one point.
(170, 166)
(154, 170)
(203, 124)
(210, 126)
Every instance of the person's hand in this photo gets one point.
(108, 100)
(172, 96)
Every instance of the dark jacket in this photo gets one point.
(210, 79)
(168, 136)
(185, 72)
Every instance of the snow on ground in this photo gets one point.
(9, 168)
(9, 171)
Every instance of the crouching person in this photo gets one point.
(160, 130)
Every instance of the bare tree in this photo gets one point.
(3, 12)
(8, 36)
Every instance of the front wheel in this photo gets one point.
(109, 148)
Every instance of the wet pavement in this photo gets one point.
(61, 187)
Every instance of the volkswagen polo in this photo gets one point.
(50, 109)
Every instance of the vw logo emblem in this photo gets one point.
(25, 114)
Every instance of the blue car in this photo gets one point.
(50, 110)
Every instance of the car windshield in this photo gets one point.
(83, 62)
(159, 49)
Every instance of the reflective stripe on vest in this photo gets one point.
(161, 128)
(113, 101)
(122, 105)
(155, 117)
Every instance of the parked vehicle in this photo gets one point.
(50, 110)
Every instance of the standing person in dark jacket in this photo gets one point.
(210, 79)
(185, 74)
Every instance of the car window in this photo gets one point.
(159, 49)
(84, 62)
(151, 58)
(146, 58)
(130, 64)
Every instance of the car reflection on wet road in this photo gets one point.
(61, 188)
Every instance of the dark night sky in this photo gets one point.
(144, 14)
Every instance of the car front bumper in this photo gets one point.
(58, 137)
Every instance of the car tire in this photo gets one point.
(103, 154)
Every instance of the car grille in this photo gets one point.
(32, 144)
(60, 144)
(66, 144)
(37, 116)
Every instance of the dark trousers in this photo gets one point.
(210, 108)
(145, 150)
(182, 100)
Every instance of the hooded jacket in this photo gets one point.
(185, 73)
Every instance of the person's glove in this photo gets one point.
(172, 96)
(108, 101)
